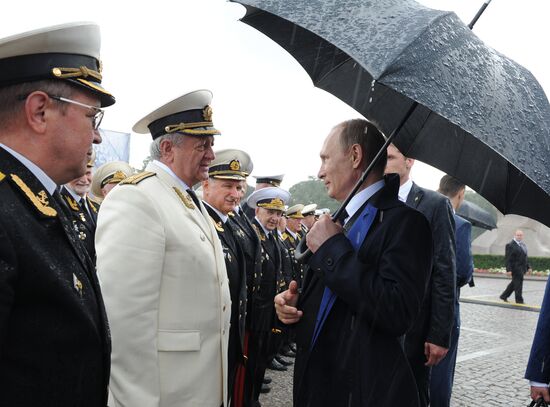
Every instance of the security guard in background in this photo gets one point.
(82, 209)
(54, 337)
(108, 176)
(262, 181)
(221, 193)
(269, 204)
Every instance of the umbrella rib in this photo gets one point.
(336, 67)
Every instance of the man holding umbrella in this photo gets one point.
(365, 285)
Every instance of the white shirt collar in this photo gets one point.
(265, 230)
(361, 197)
(404, 190)
(221, 215)
(44, 179)
(169, 171)
(237, 209)
(75, 196)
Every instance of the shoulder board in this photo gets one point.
(258, 232)
(72, 203)
(93, 204)
(217, 225)
(40, 200)
(137, 178)
(2, 176)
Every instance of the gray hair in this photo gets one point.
(12, 96)
(175, 138)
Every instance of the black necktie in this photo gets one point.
(194, 197)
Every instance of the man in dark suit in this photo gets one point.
(364, 290)
(54, 337)
(538, 367)
(441, 381)
(517, 264)
(427, 343)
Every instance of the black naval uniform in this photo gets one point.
(234, 263)
(297, 268)
(54, 337)
(263, 307)
(83, 220)
(249, 242)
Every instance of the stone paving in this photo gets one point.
(493, 350)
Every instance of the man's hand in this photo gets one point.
(538, 392)
(434, 353)
(321, 231)
(285, 305)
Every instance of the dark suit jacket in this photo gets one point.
(358, 359)
(464, 259)
(516, 258)
(538, 367)
(436, 317)
(54, 340)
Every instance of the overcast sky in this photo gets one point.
(264, 103)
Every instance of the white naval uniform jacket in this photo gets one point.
(166, 292)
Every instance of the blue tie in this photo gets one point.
(356, 236)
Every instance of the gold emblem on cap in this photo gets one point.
(235, 165)
(277, 201)
(207, 113)
(56, 72)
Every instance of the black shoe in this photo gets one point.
(283, 361)
(520, 302)
(292, 347)
(265, 389)
(267, 380)
(274, 365)
(288, 353)
(503, 298)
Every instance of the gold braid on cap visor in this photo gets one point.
(82, 72)
(192, 128)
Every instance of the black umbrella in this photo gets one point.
(476, 215)
(481, 117)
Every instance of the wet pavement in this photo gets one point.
(493, 350)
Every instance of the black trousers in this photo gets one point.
(516, 286)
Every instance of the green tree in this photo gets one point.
(312, 191)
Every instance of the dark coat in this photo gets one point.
(54, 339)
(235, 265)
(516, 259)
(358, 359)
(436, 317)
(464, 259)
(538, 367)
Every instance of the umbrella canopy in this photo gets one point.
(482, 118)
(476, 215)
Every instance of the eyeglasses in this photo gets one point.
(96, 118)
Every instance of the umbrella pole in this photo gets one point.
(302, 253)
(479, 13)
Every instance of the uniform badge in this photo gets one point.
(77, 284)
(82, 217)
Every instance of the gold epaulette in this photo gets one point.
(2, 176)
(94, 204)
(40, 200)
(258, 232)
(284, 236)
(231, 213)
(72, 203)
(137, 178)
(217, 225)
